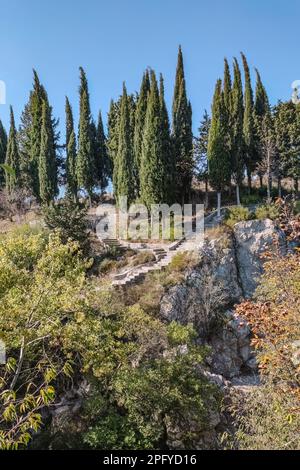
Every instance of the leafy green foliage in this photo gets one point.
(157, 392)
(40, 286)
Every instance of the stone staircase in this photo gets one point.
(163, 257)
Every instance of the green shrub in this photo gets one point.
(267, 211)
(107, 265)
(249, 199)
(237, 214)
(70, 220)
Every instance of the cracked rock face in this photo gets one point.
(227, 272)
(252, 238)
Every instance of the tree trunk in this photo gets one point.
(296, 185)
(249, 182)
(206, 195)
(269, 188)
(219, 204)
(238, 200)
(279, 188)
(261, 181)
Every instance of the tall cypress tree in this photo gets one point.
(248, 124)
(200, 147)
(227, 86)
(12, 157)
(3, 149)
(47, 161)
(123, 177)
(70, 153)
(227, 94)
(182, 135)
(113, 123)
(219, 164)
(85, 157)
(152, 164)
(101, 157)
(261, 110)
(237, 130)
(168, 164)
(29, 136)
(140, 118)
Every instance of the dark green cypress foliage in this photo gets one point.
(287, 133)
(85, 157)
(141, 110)
(168, 163)
(261, 110)
(70, 153)
(69, 121)
(219, 162)
(248, 124)
(101, 158)
(29, 136)
(47, 162)
(123, 177)
(113, 132)
(200, 148)
(262, 105)
(227, 94)
(3, 149)
(182, 136)
(12, 157)
(237, 130)
(152, 165)
(227, 86)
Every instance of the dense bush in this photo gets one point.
(70, 219)
(60, 326)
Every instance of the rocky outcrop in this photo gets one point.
(227, 272)
(210, 288)
(230, 348)
(252, 238)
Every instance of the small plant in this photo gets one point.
(268, 211)
(237, 214)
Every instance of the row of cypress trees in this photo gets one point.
(31, 151)
(152, 161)
(234, 133)
(147, 159)
(35, 155)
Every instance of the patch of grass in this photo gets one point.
(216, 232)
(237, 214)
(107, 265)
(142, 257)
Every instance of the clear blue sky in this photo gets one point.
(115, 40)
